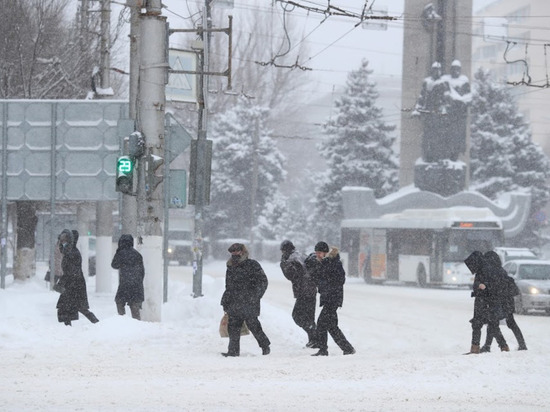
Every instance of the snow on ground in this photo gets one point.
(409, 345)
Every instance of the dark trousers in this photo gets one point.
(89, 315)
(134, 309)
(493, 330)
(513, 326)
(304, 314)
(234, 326)
(328, 323)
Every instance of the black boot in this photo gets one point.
(485, 349)
(229, 354)
(266, 350)
(322, 352)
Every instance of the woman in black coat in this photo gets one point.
(507, 289)
(487, 306)
(72, 285)
(245, 284)
(131, 272)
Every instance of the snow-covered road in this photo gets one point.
(409, 345)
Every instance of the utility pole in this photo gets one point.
(201, 151)
(128, 213)
(153, 68)
(105, 44)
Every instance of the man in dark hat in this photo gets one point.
(303, 288)
(330, 277)
(245, 284)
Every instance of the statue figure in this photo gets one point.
(458, 98)
(443, 107)
(431, 106)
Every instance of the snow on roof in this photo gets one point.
(428, 218)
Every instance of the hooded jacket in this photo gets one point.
(131, 272)
(245, 284)
(74, 296)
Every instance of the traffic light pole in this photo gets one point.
(129, 208)
(150, 121)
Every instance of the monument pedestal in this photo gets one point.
(444, 177)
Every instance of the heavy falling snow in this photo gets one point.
(410, 343)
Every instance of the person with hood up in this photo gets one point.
(303, 288)
(245, 285)
(487, 305)
(507, 290)
(330, 278)
(72, 285)
(131, 272)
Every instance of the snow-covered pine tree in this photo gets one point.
(359, 151)
(243, 154)
(280, 221)
(503, 157)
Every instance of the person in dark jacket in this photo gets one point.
(507, 290)
(479, 293)
(487, 306)
(245, 284)
(330, 278)
(303, 288)
(131, 272)
(72, 285)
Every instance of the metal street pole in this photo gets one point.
(128, 212)
(150, 114)
(201, 152)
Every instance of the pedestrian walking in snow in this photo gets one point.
(487, 305)
(303, 288)
(330, 278)
(131, 272)
(72, 285)
(507, 289)
(245, 285)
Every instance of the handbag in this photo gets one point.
(59, 288)
(224, 333)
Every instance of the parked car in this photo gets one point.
(180, 247)
(514, 253)
(533, 280)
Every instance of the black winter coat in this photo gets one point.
(74, 296)
(507, 290)
(493, 275)
(293, 268)
(330, 280)
(245, 284)
(131, 272)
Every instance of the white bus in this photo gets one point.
(421, 246)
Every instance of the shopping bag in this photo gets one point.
(224, 333)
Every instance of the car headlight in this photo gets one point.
(170, 250)
(533, 290)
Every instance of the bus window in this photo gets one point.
(461, 243)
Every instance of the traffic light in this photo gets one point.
(136, 145)
(125, 175)
(152, 163)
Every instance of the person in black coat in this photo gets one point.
(245, 284)
(303, 288)
(131, 272)
(72, 285)
(474, 263)
(487, 306)
(507, 290)
(330, 278)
